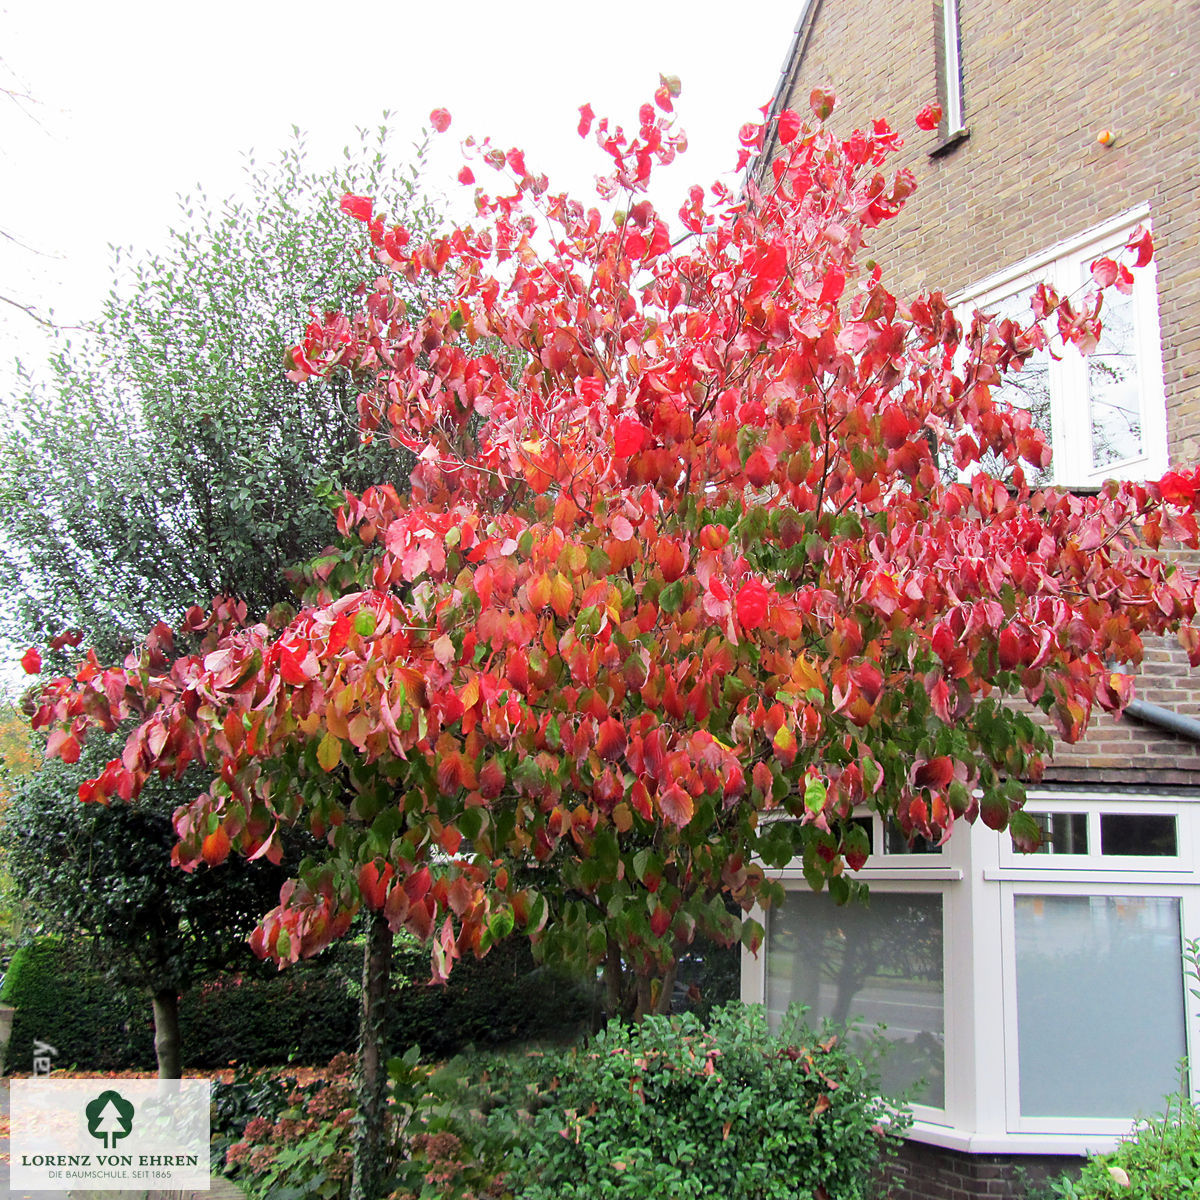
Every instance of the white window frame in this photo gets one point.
(1189, 915)
(1066, 266)
(978, 875)
(921, 874)
(1131, 868)
(952, 117)
(1095, 874)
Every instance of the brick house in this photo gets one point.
(1041, 1000)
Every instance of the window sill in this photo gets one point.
(947, 142)
(949, 1138)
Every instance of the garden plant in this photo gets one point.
(699, 554)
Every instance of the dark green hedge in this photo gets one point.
(305, 1014)
(302, 1015)
(61, 1000)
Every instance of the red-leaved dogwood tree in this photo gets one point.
(698, 558)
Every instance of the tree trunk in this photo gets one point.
(631, 997)
(370, 1137)
(166, 1034)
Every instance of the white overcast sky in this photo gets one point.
(134, 103)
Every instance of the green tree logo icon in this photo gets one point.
(109, 1118)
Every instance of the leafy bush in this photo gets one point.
(304, 1014)
(61, 999)
(303, 1150)
(252, 1093)
(1161, 1161)
(671, 1109)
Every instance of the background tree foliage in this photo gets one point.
(168, 459)
(106, 872)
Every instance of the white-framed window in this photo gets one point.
(949, 69)
(1037, 1002)
(1104, 414)
(1103, 836)
(880, 966)
(1096, 1001)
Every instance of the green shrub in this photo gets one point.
(670, 1109)
(1161, 1161)
(304, 1014)
(62, 1000)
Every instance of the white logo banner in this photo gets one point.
(109, 1134)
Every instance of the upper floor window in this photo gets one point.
(1105, 414)
(949, 69)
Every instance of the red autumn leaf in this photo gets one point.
(1142, 244)
(358, 207)
(491, 780)
(1009, 649)
(660, 921)
(750, 135)
(789, 126)
(676, 805)
(752, 601)
(294, 665)
(373, 880)
(671, 558)
(631, 435)
(610, 740)
(440, 119)
(758, 469)
(215, 847)
(930, 117)
(833, 286)
(31, 661)
(1177, 488)
(1104, 272)
(895, 427)
(822, 103)
(466, 175)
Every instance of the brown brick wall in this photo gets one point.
(930, 1173)
(1040, 80)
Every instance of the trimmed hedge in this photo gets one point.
(61, 1000)
(305, 1014)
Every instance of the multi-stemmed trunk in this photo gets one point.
(631, 996)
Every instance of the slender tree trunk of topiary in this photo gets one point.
(370, 1136)
(166, 1034)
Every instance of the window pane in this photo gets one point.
(880, 963)
(894, 842)
(1138, 833)
(1114, 388)
(1099, 1004)
(1028, 388)
(1062, 833)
